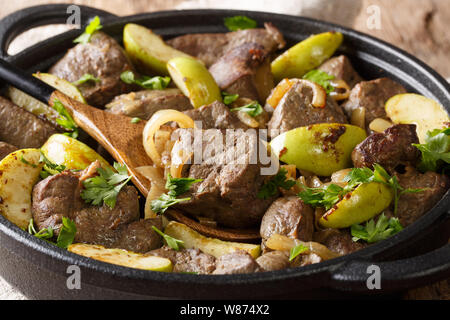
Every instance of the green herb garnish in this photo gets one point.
(44, 234)
(176, 187)
(374, 232)
(136, 120)
(66, 233)
(105, 187)
(229, 98)
(175, 244)
(295, 251)
(270, 188)
(329, 195)
(435, 151)
(239, 23)
(253, 109)
(65, 120)
(92, 28)
(151, 83)
(321, 78)
(86, 78)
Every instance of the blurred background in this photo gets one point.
(417, 26)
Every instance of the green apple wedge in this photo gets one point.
(319, 148)
(412, 108)
(19, 171)
(122, 257)
(194, 80)
(73, 154)
(38, 108)
(364, 203)
(306, 55)
(148, 50)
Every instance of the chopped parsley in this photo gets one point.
(92, 28)
(239, 23)
(270, 188)
(65, 120)
(321, 78)
(175, 244)
(435, 151)
(176, 187)
(136, 120)
(229, 98)
(253, 109)
(295, 251)
(152, 83)
(66, 233)
(329, 195)
(374, 232)
(86, 78)
(105, 187)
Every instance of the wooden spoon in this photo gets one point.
(121, 138)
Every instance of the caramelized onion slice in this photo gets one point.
(379, 125)
(283, 243)
(154, 124)
(156, 177)
(358, 117)
(342, 90)
(319, 99)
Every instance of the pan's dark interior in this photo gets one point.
(31, 262)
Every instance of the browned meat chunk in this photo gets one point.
(21, 128)
(412, 206)
(237, 262)
(288, 216)
(216, 116)
(143, 104)
(231, 180)
(389, 149)
(103, 58)
(6, 149)
(245, 70)
(341, 68)
(339, 241)
(187, 260)
(211, 46)
(295, 110)
(372, 95)
(59, 196)
(274, 260)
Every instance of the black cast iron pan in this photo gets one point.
(40, 270)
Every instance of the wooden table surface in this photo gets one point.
(419, 27)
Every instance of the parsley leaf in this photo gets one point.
(239, 23)
(295, 251)
(326, 197)
(155, 83)
(435, 151)
(44, 234)
(92, 28)
(86, 78)
(105, 187)
(65, 120)
(135, 120)
(253, 109)
(66, 233)
(270, 188)
(175, 244)
(229, 98)
(374, 232)
(176, 187)
(321, 78)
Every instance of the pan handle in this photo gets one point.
(360, 276)
(20, 21)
